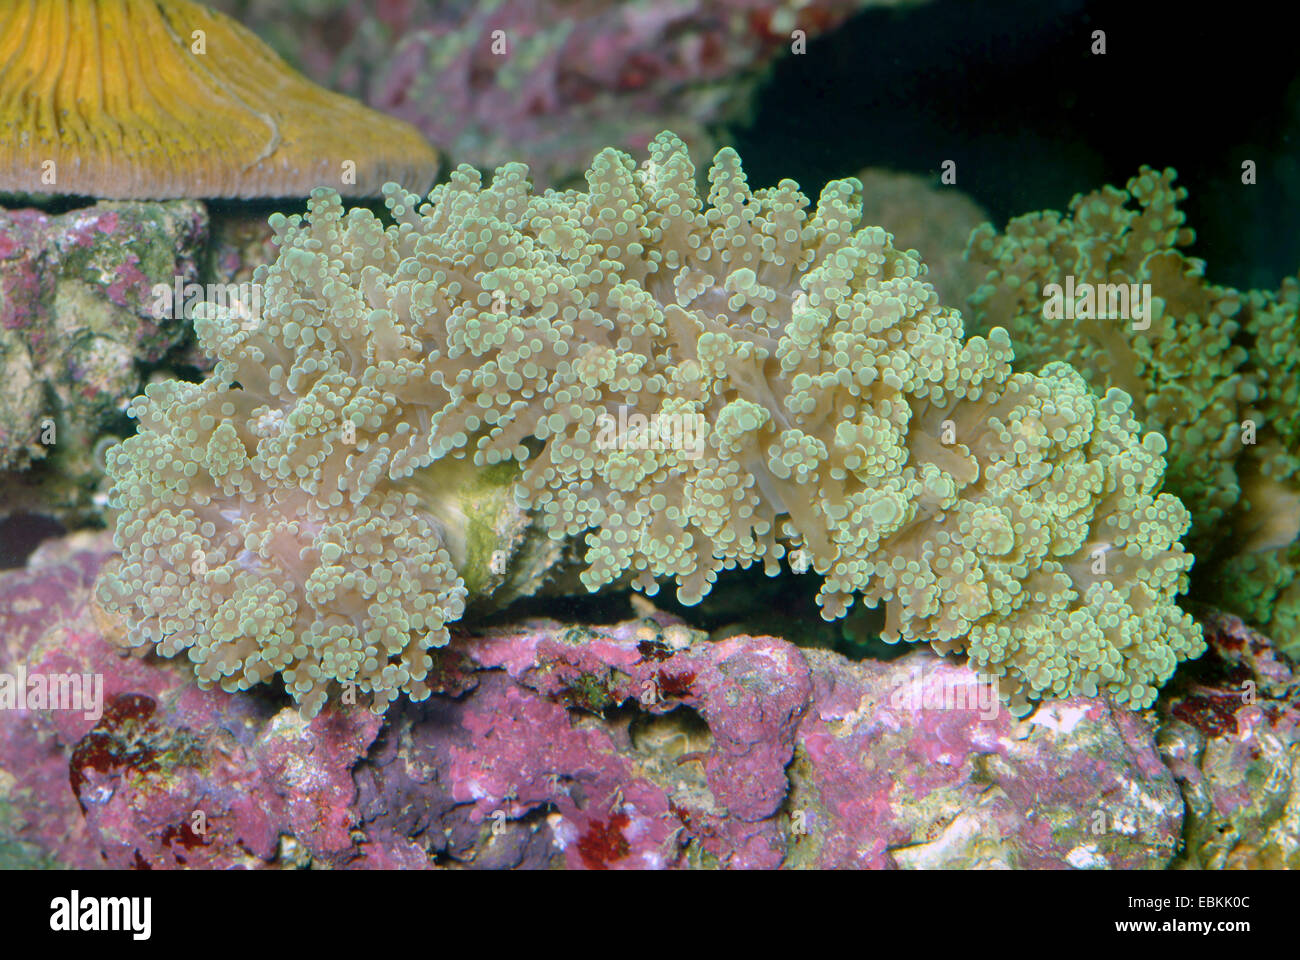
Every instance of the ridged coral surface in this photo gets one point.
(801, 389)
(156, 99)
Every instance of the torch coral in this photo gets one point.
(1214, 369)
(1264, 587)
(1271, 323)
(1180, 365)
(685, 388)
(157, 99)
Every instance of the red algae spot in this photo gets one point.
(127, 737)
(676, 684)
(184, 836)
(98, 748)
(653, 650)
(127, 707)
(604, 843)
(1214, 714)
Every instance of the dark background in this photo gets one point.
(1010, 91)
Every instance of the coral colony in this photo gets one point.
(1226, 407)
(295, 513)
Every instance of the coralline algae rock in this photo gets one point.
(76, 320)
(168, 775)
(897, 766)
(1230, 731)
(40, 825)
(641, 745)
(552, 80)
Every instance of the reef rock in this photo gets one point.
(76, 322)
(638, 745)
(1230, 731)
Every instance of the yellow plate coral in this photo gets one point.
(155, 99)
(687, 386)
